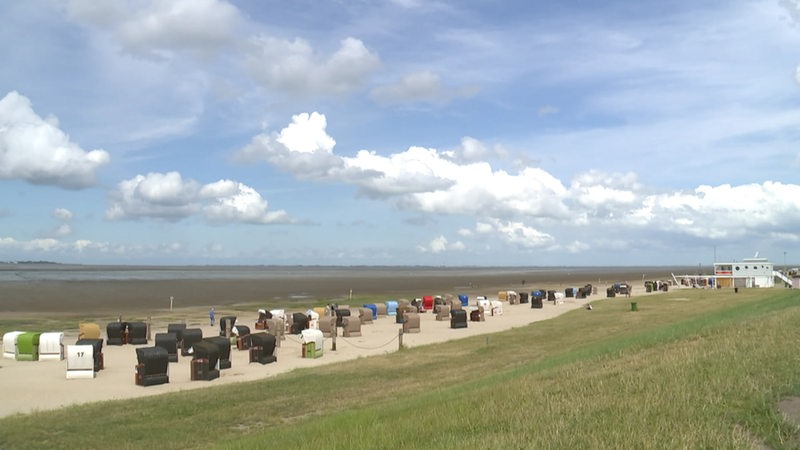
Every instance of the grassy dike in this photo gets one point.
(689, 369)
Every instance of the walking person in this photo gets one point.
(211, 315)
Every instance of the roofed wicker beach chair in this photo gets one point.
(97, 353)
(169, 342)
(28, 346)
(351, 326)
(177, 330)
(365, 315)
(224, 345)
(191, 336)
(137, 333)
(458, 318)
(205, 361)
(262, 348)
(89, 331)
(443, 312)
(277, 327)
(313, 343)
(327, 324)
(117, 333)
(374, 308)
(226, 324)
(51, 346)
(10, 344)
(80, 361)
(411, 324)
(153, 365)
(299, 322)
(341, 313)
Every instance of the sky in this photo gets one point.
(400, 132)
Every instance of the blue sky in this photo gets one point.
(399, 132)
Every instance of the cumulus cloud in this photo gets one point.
(419, 179)
(440, 244)
(471, 149)
(159, 28)
(515, 233)
(724, 211)
(64, 216)
(167, 196)
(302, 148)
(293, 66)
(37, 151)
(237, 202)
(602, 194)
(517, 207)
(419, 87)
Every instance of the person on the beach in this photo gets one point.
(211, 315)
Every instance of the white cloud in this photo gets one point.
(577, 247)
(516, 233)
(156, 28)
(62, 214)
(720, 212)
(440, 244)
(472, 150)
(419, 179)
(604, 194)
(37, 151)
(292, 67)
(419, 87)
(244, 204)
(170, 197)
(302, 148)
(64, 228)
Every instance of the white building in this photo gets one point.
(748, 273)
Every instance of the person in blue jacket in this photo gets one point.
(211, 315)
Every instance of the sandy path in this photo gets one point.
(48, 388)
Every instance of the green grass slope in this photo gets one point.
(689, 369)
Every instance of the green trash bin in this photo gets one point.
(634, 306)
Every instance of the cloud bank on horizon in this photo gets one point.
(399, 132)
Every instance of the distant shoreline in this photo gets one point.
(134, 289)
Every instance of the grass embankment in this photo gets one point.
(690, 369)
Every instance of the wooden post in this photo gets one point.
(148, 328)
(400, 339)
(171, 298)
(333, 337)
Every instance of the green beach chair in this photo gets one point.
(28, 347)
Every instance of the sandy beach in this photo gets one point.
(99, 301)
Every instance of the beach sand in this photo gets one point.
(42, 385)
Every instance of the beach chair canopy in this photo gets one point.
(207, 350)
(191, 336)
(10, 344)
(80, 357)
(97, 346)
(153, 365)
(89, 331)
(116, 333)
(51, 346)
(137, 333)
(169, 342)
(28, 346)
